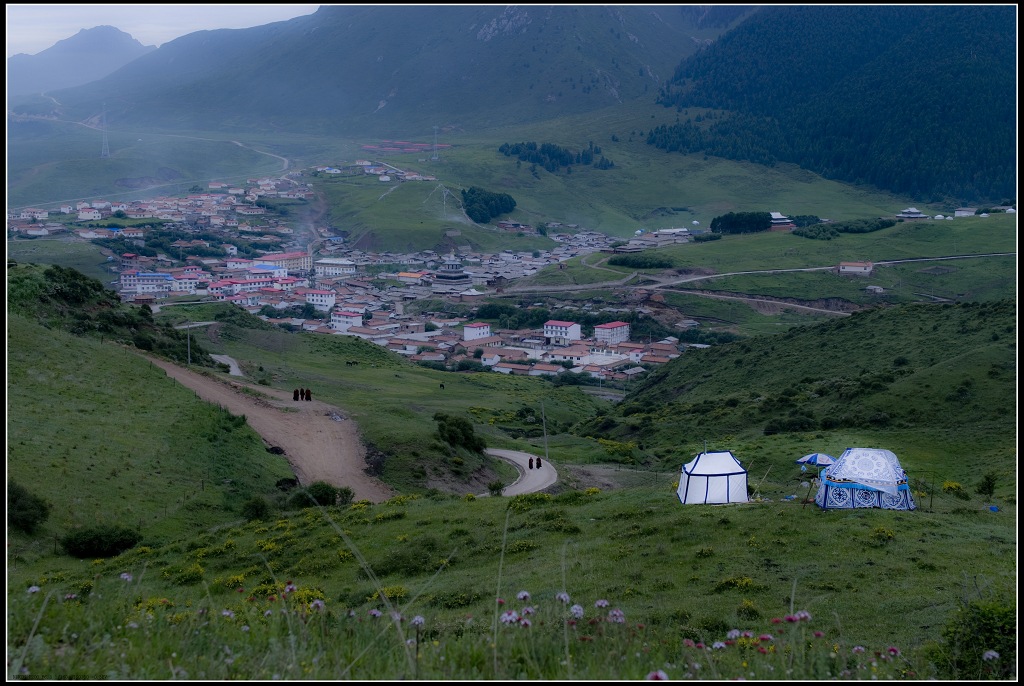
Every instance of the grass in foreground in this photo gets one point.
(584, 585)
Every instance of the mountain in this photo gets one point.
(83, 58)
(917, 100)
(386, 69)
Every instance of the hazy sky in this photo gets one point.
(34, 28)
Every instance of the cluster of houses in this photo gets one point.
(352, 305)
(226, 206)
(556, 349)
(383, 172)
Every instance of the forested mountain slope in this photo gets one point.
(917, 100)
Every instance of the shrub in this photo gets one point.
(345, 495)
(256, 509)
(104, 540)
(969, 636)
(496, 487)
(987, 485)
(955, 489)
(317, 493)
(25, 510)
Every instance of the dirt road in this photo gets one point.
(318, 447)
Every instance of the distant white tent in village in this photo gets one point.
(712, 478)
(865, 477)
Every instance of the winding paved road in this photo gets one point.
(530, 480)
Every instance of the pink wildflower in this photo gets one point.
(657, 676)
(989, 655)
(718, 645)
(418, 620)
(525, 623)
(818, 634)
(316, 605)
(601, 603)
(563, 597)
(576, 611)
(688, 643)
(523, 595)
(766, 637)
(803, 616)
(894, 651)
(374, 612)
(735, 633)
(857, 650)
(617, 616)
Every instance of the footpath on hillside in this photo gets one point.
(319, 442)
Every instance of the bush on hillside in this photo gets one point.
(979, 641)
(104, 540)
(317, 493)
(458, 432)
(25, 510)
(256, 509)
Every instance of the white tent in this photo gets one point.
(712, 478)
(865, 477)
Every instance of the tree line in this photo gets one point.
(554, 157)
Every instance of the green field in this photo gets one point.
(126, 445)
(74, 253)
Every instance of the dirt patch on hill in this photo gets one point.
(318, 440)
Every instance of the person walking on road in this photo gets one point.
(531, 463)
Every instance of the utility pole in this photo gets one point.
(188, 337)
(544, 422)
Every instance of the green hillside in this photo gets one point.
(293, 593)
(937, 380)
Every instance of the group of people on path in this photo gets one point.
(302, 394)
(531, 463)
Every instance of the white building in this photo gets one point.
(611, 333)
(561, 333)
(855, 268)
(321, 300)
(334, 266)
(343, 320)
(475, 331)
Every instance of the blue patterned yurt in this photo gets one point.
(865, 477)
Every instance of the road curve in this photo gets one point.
(530, 480)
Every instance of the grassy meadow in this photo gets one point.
(76, 254)
(773, 589)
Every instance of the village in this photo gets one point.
(329, 287)
(340, 290)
